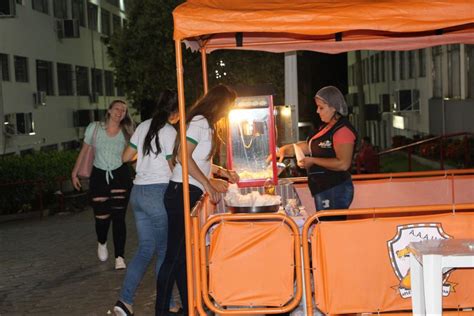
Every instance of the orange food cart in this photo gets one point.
(324, 26)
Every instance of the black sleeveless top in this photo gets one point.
(320, 178)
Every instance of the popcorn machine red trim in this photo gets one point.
(252, 140)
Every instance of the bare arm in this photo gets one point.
(197, 174)
(129, 154)
(76, 183)
(230, 175)
(170, 164)
(341, 162)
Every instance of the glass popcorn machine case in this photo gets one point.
(252, 141)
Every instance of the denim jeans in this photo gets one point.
(152, 230)
(174, 267)
(338, 197)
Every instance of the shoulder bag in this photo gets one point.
(87, 160)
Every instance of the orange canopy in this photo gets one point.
(326, 26)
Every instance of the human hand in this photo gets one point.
(305, 163)
(214, 188)
(219, 185)
(232, 176)
(76, 183)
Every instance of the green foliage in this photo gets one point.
(40, 166)
(143, 52)
(143, 56)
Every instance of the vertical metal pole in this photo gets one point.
(184, 164)
(204, 69)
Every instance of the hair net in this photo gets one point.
(334, 98)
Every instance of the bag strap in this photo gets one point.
(94, 136)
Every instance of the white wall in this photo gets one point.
(32, 34)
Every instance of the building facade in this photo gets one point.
(55, 75)
(415, 93)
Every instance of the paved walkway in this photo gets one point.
(50, 267)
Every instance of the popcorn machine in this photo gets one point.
(252, 141)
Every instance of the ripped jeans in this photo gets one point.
(109, 202)
(335, 198)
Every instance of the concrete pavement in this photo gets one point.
(50, 267)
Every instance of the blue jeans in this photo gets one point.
(152, 230)
(338, 197)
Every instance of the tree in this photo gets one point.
(248, 68)
(143, 54)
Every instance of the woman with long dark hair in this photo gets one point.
(110, 180)
(202, 143)
(152, 144)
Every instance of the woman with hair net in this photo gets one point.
(328, 153)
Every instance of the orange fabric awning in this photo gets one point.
(326, 26)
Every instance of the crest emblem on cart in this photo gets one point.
(399, 252)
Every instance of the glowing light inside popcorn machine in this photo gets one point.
(252, 140)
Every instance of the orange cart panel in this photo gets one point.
(363, 265)
(251, 264)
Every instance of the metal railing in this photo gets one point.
(437, 139)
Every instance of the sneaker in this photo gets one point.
(102, 252)
(120, 309)
(119, 263)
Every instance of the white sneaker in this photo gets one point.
(102, 252)
(119, 263)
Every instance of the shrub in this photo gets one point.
(46, 167)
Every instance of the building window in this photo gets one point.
(40, 5)
(105, 22)
(7, 8)
(44, 76)
(4, 67)
(470, 70)
(454, 71)
(71, 145)
(437, 71)
(373, 73)
(382, 66)
(366, 70)
(109, 83)
(385, 102)
(421, 63)
(52, 147)
(82, 80)
(64, 79)
(411, 64)
(60, 9)
(116, 22)
(92, 16)
(407, 100)
(120, 91)
(97, 81)
(19, 124)
(393, 63)
(21, 69)
(78, 11)
(401, 64)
